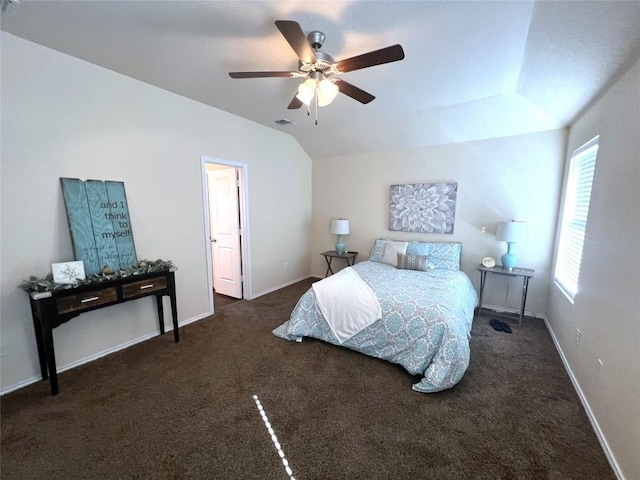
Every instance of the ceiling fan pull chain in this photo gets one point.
(316, 98)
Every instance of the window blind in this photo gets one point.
(574, 217)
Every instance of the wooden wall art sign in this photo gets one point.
(100, 225)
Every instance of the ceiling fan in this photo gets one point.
(320, 69)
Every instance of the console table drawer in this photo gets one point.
(136, 289)
(83, 301)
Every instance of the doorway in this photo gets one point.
(224, 194)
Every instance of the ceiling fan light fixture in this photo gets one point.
(319, 67)
(306, 91)
(327, 92)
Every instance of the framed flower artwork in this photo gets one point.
(423, 207)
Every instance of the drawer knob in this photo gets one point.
(146, 286)
(90, 299)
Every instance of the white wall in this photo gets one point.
(607, 306)
(516, 177)
(62, 117)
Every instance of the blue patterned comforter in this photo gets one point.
(425, 325)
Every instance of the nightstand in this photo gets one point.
(525, 273)
(350, 258)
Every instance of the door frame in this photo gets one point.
(243, 207)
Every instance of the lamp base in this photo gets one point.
(339, 245)
(509, 258)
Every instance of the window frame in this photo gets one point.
(575, 217)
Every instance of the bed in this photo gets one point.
(425, 310)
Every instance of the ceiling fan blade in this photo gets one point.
(262, 74)
(292, 32)
(370, 59)
(354, 92)
(295, 103)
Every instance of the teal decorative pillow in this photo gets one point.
(442, 255)
(414, 262)
(377, 251)
(419, 248)
(446, 255)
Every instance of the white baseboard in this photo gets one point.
(594, 423)
(101, 354)
(19, 385)
(280, 286)
(509, 310)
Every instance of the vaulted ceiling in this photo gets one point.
(472, 69)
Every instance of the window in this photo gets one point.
(574, 217)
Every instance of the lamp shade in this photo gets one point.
(327, 91)
(512, 231)
(306, 91)
(340, 226)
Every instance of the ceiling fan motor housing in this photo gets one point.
(316, 39)
(324, 61)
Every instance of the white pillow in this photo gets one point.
(391, 251)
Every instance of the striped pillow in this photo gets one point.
(413, 262)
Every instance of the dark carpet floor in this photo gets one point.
(220, 301)
(172, 411)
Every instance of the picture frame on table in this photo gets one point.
(68, 272)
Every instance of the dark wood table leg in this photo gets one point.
(171, 280)
(160, 313)
(42, 354)
(47, 335)
(174, 316)
(328, 260)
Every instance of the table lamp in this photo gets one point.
(511, 232)
(340, 227)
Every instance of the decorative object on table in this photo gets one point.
(48, 284)
(68, 272)
(340, 227)
(423, 207)
(488, 262)
(511, 232)
(100, 225)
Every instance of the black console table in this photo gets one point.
(53, 308)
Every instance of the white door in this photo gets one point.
(225, 231)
